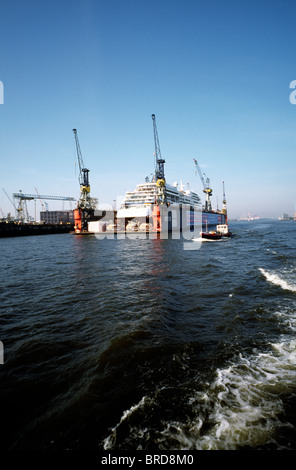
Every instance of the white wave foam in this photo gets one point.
(277, 280)
(241, 408)
(248, 402)
(288, 317)
(109, 441)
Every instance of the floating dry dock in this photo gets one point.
(16, 229)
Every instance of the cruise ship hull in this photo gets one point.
(163, 218)
(210, 219)
(160, 209)
(195, 219)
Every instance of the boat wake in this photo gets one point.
(110, 441)
(244, 402)
(273, 278)
(240, 409)
(201, 239)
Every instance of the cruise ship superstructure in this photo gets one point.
(141, 206)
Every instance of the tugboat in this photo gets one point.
(221, 231)
(224, 230)
(212, 235)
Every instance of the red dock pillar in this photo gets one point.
(77, 219)
(156, 218)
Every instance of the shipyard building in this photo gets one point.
(57, 217)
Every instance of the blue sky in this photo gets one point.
(216, 74)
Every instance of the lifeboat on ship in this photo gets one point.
(132, 227)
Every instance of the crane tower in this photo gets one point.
(159, 167)
(84, 208)
(85, 199)
(159, 172)
(206, 188)
(224, 210)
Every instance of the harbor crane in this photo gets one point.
(28, 197)
(43, 204)
(224, 209)
(85, 199)
(206, 188)
(159, 172)
(159, 166)
(85, 208)
(15, 208)
(23, 198)
(22, 210)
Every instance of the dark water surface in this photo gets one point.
(140, 344)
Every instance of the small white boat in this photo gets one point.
(223, 230)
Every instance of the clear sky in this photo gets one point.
(216, 74)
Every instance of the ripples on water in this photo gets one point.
(138, 344)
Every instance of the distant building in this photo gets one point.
(57, 217)
(286, 217)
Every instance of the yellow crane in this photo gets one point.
(206, 188)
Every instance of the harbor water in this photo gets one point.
(144, 345)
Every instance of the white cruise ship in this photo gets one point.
(138, 204)
(160, 205)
